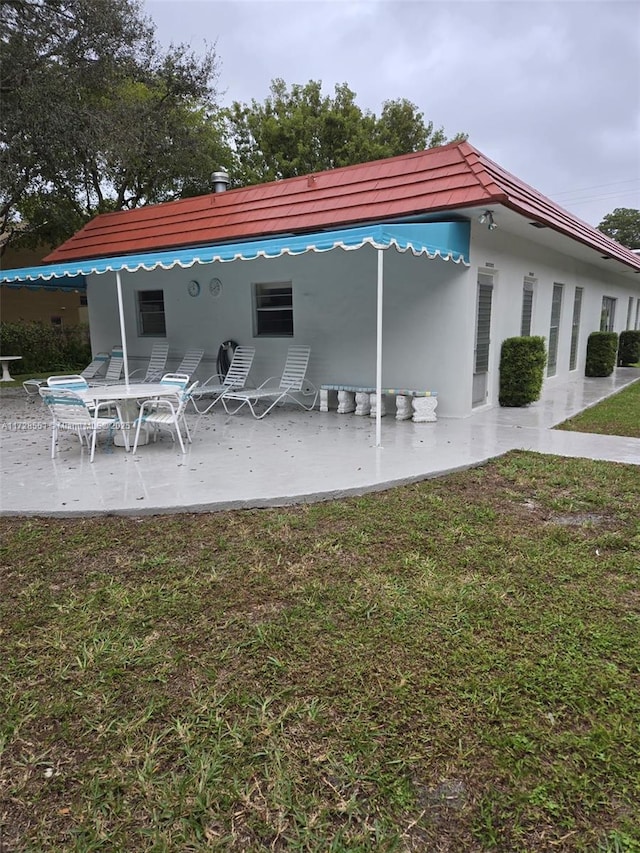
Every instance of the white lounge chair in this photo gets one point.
(190, 362)
(293, 385)
(69, 412)
(114, 370)
(235, 378)
(91, 371)
(157, 363)
(32, 386)
(95, 368)
(165, 413)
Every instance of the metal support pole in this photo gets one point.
(125, 355)
(379, 350)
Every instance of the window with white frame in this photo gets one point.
(151, 320)
(608, 314)
(527, 306)
(554, 329)
(273, 309)
(575, 328)
(637, 323)
(630, 313)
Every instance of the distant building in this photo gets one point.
(55, 307)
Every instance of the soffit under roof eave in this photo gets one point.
(604, 246)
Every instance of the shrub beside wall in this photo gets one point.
(522, 362)
(629, 348)
(602, 349)
(44, 348)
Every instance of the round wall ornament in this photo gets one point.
(193, 288)
(215, 287)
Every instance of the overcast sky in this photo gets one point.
(549, 90)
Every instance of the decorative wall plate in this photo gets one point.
(215, 287)
(193, 288)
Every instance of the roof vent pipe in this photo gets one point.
(220, 181)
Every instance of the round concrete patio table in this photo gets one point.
(4, 361)
(128, 395)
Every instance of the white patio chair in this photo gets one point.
(179, 381)
(69, 382)
(235, 378)
(174, 384)
(292, 382)
(69, 412)
(190, 362)
(165, 413)
(157, 363)
(114, 370)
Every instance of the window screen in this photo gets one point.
(151, 320)
(554, 330)
(527, 307)
(608, 314)
(575, 328)
(483, 324)
(273, 309)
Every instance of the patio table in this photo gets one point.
(4, 361)
(128, 395)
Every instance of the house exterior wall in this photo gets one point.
(429, 313)
(334, 304)
(511, 259)
(427, 328)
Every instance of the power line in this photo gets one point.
(590, 198)
(597, 186)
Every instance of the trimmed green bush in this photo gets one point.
(44, 348)
(522, 362)
(602, 349)
(629, 348)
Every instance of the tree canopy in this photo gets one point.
(623, 225)
(96, 117)
(298, 130)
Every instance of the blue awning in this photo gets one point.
(446, 240)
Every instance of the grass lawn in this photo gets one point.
(449, 666)
(618, 415)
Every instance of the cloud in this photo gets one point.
(550, 90)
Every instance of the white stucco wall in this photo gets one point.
(513, 258)
(334, 299)
(429, 313)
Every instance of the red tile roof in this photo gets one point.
(441, 179)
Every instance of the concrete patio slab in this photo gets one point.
(290, 456)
